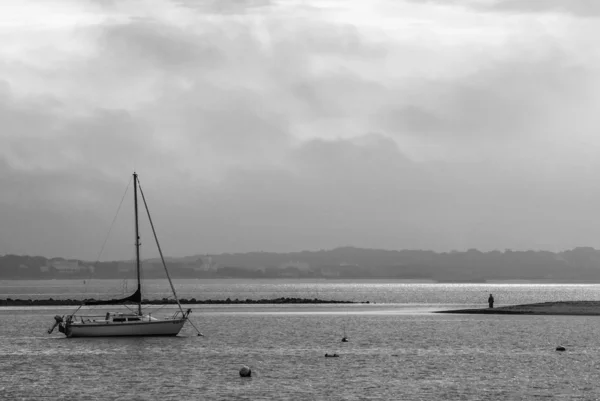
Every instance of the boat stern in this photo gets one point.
(62, 324)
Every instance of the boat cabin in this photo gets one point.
(112, 318)
(126, 319)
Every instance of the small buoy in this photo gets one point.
(561, 348)
(345, 339)
(245, 371)
(331, 356)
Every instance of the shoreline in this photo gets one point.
(281, 278)
(566, 308)
(164, 301)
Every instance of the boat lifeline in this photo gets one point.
(131, 323)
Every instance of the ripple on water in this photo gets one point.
(405, 356)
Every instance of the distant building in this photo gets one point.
(150, 266)
(330, 271)
(302, 266)
(125, 267)
(261, 270)
(337, 270)
(66, 267)
(206, 265)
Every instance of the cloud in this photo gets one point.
(515, 97)
(579, 8)
(37, 138)
(273, 126)
(154, 45)
(227, 7)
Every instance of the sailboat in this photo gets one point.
(133, 322)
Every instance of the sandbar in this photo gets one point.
(575, 308)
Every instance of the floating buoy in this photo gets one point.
(331, 356)
(561, 349)
(345, 339)
(245, 371)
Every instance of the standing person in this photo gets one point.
(491, 301)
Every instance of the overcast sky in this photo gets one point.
(260, 125)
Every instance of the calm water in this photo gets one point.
(397, 350)
(395, 292)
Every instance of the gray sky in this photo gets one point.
(290, 125)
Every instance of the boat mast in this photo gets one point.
(137, 242)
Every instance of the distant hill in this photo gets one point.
(576, 265)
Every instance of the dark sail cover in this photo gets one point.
(135, 298)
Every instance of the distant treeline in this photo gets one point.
(579, 264)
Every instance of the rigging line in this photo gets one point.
(108, 234)
(158, 246)
(113, 222)
(79, 307)
(194, 326)
(162, 257)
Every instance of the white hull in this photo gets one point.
(170, 327)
